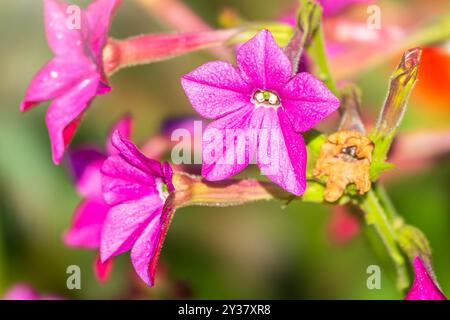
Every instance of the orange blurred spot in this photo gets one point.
(432, 89)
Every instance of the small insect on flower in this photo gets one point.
(259, 109)
(344, 159)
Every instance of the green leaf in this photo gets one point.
(314, 141)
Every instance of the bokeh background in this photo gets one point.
(256, 251)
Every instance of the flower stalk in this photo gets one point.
(193, 190)
(316, 50)
(308, 20)
(376, 216)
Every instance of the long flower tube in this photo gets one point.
(156, 47)
(194, 190)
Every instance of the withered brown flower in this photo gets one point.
(344, 159)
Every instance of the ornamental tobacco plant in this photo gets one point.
(261, 109)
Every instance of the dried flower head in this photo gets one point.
(344, 159)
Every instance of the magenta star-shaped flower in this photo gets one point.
(423, 287)
(74, 76)
(136, 188)
(259, 110)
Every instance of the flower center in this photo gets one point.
(162, 189)
(265, 98)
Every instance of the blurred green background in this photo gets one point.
(256, 251)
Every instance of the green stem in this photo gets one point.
(376, 216)
(386, 202)
(317, 52)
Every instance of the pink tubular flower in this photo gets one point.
(423, 287)
(262, 106)
(23, 291)
(332, 7)
(137, 188)
(74, 76)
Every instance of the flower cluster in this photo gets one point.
(259, 110)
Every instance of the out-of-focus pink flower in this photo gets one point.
(434, 145)
(184, 132)
(329, 7)
(264, 107)
(74, 76)
(423, 287)
(158, 145)
(136, 188)
(348, 39)
(23, 291)
(332, 7)
(342, 225)
(85, 164)
(179, 16)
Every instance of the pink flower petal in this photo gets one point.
(215, 89)
(131, 154)
(85, 164)
(228, 145)
(124, 128)
(102, 270)
(99, 14)
(80, 158)
(307, 101)
(54, 79)
(145, 248)
(21, 292)
(423, 287)
(121, 181)
(263, 63)
(64, 114)
(63, 36)
(125, 223)
(87, 224)
(281, 152)
(145, 252)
